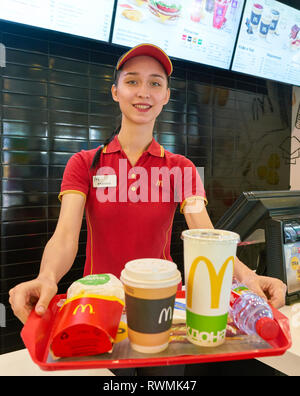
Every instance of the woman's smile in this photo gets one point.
(142, 107)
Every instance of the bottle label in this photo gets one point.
(236, 293)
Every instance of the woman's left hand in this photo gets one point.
(271, 289)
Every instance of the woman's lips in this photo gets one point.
(142, 107)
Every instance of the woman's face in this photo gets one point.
(142, 90)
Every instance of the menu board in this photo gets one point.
(269, 42)
(201, 31)
(89, 18)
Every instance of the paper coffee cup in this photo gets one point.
(150, 290)
(208, 267)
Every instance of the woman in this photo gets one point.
(129, 214)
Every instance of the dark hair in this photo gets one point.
(117, 130)
(106, 142)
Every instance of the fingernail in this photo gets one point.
(40, 309)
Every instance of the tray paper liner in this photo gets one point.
(236, 341)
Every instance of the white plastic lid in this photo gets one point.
(150, 272)
(210, 235)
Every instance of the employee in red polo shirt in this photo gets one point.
(129, 189)
(130, 197)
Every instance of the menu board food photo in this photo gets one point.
(202, 31)
(269, 42)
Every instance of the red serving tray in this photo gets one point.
(37, 330)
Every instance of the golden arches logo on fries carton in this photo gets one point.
(88, 321)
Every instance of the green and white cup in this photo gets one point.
(209, 257)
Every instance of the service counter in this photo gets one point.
(20, 363)
(289, 362)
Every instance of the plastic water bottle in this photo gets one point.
(251, 313)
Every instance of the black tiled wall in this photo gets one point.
(55, 100)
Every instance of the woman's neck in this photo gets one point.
(135, 139)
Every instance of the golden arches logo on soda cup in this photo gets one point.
(209, 256)
(216, 280)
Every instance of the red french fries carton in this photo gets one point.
(86, 325)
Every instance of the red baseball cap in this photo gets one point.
(147, 50)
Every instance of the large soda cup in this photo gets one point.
(264, 25)
(209, 257)
(220, 10)
(209, 5)
(255, 17)
(294, 32)
(274, 22)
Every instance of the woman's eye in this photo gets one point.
(156, 84)
(131, 82)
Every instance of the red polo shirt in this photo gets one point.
(129, 213)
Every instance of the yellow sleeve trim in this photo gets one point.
(71, 192)
(191, 199)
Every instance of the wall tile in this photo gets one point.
(19, 100)
(31, 115)
(68, 132)
(26, 87)
(22, 144)
(18, 128)
(24, 171)
(25, 72)
(20, 256)
(25, 157)
(10, 228)
(17, 56)
(11, 200)
(28, 213)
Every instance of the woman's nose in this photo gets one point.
(143, 91)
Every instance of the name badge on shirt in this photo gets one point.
(105, 181)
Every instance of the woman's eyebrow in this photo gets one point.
(131, 73)
(136, 74)
(157, 75)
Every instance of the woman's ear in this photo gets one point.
(114, 93)
(168, 93)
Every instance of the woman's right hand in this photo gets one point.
(58, 257)
(36, 294)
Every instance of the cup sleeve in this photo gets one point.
(76, 177)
